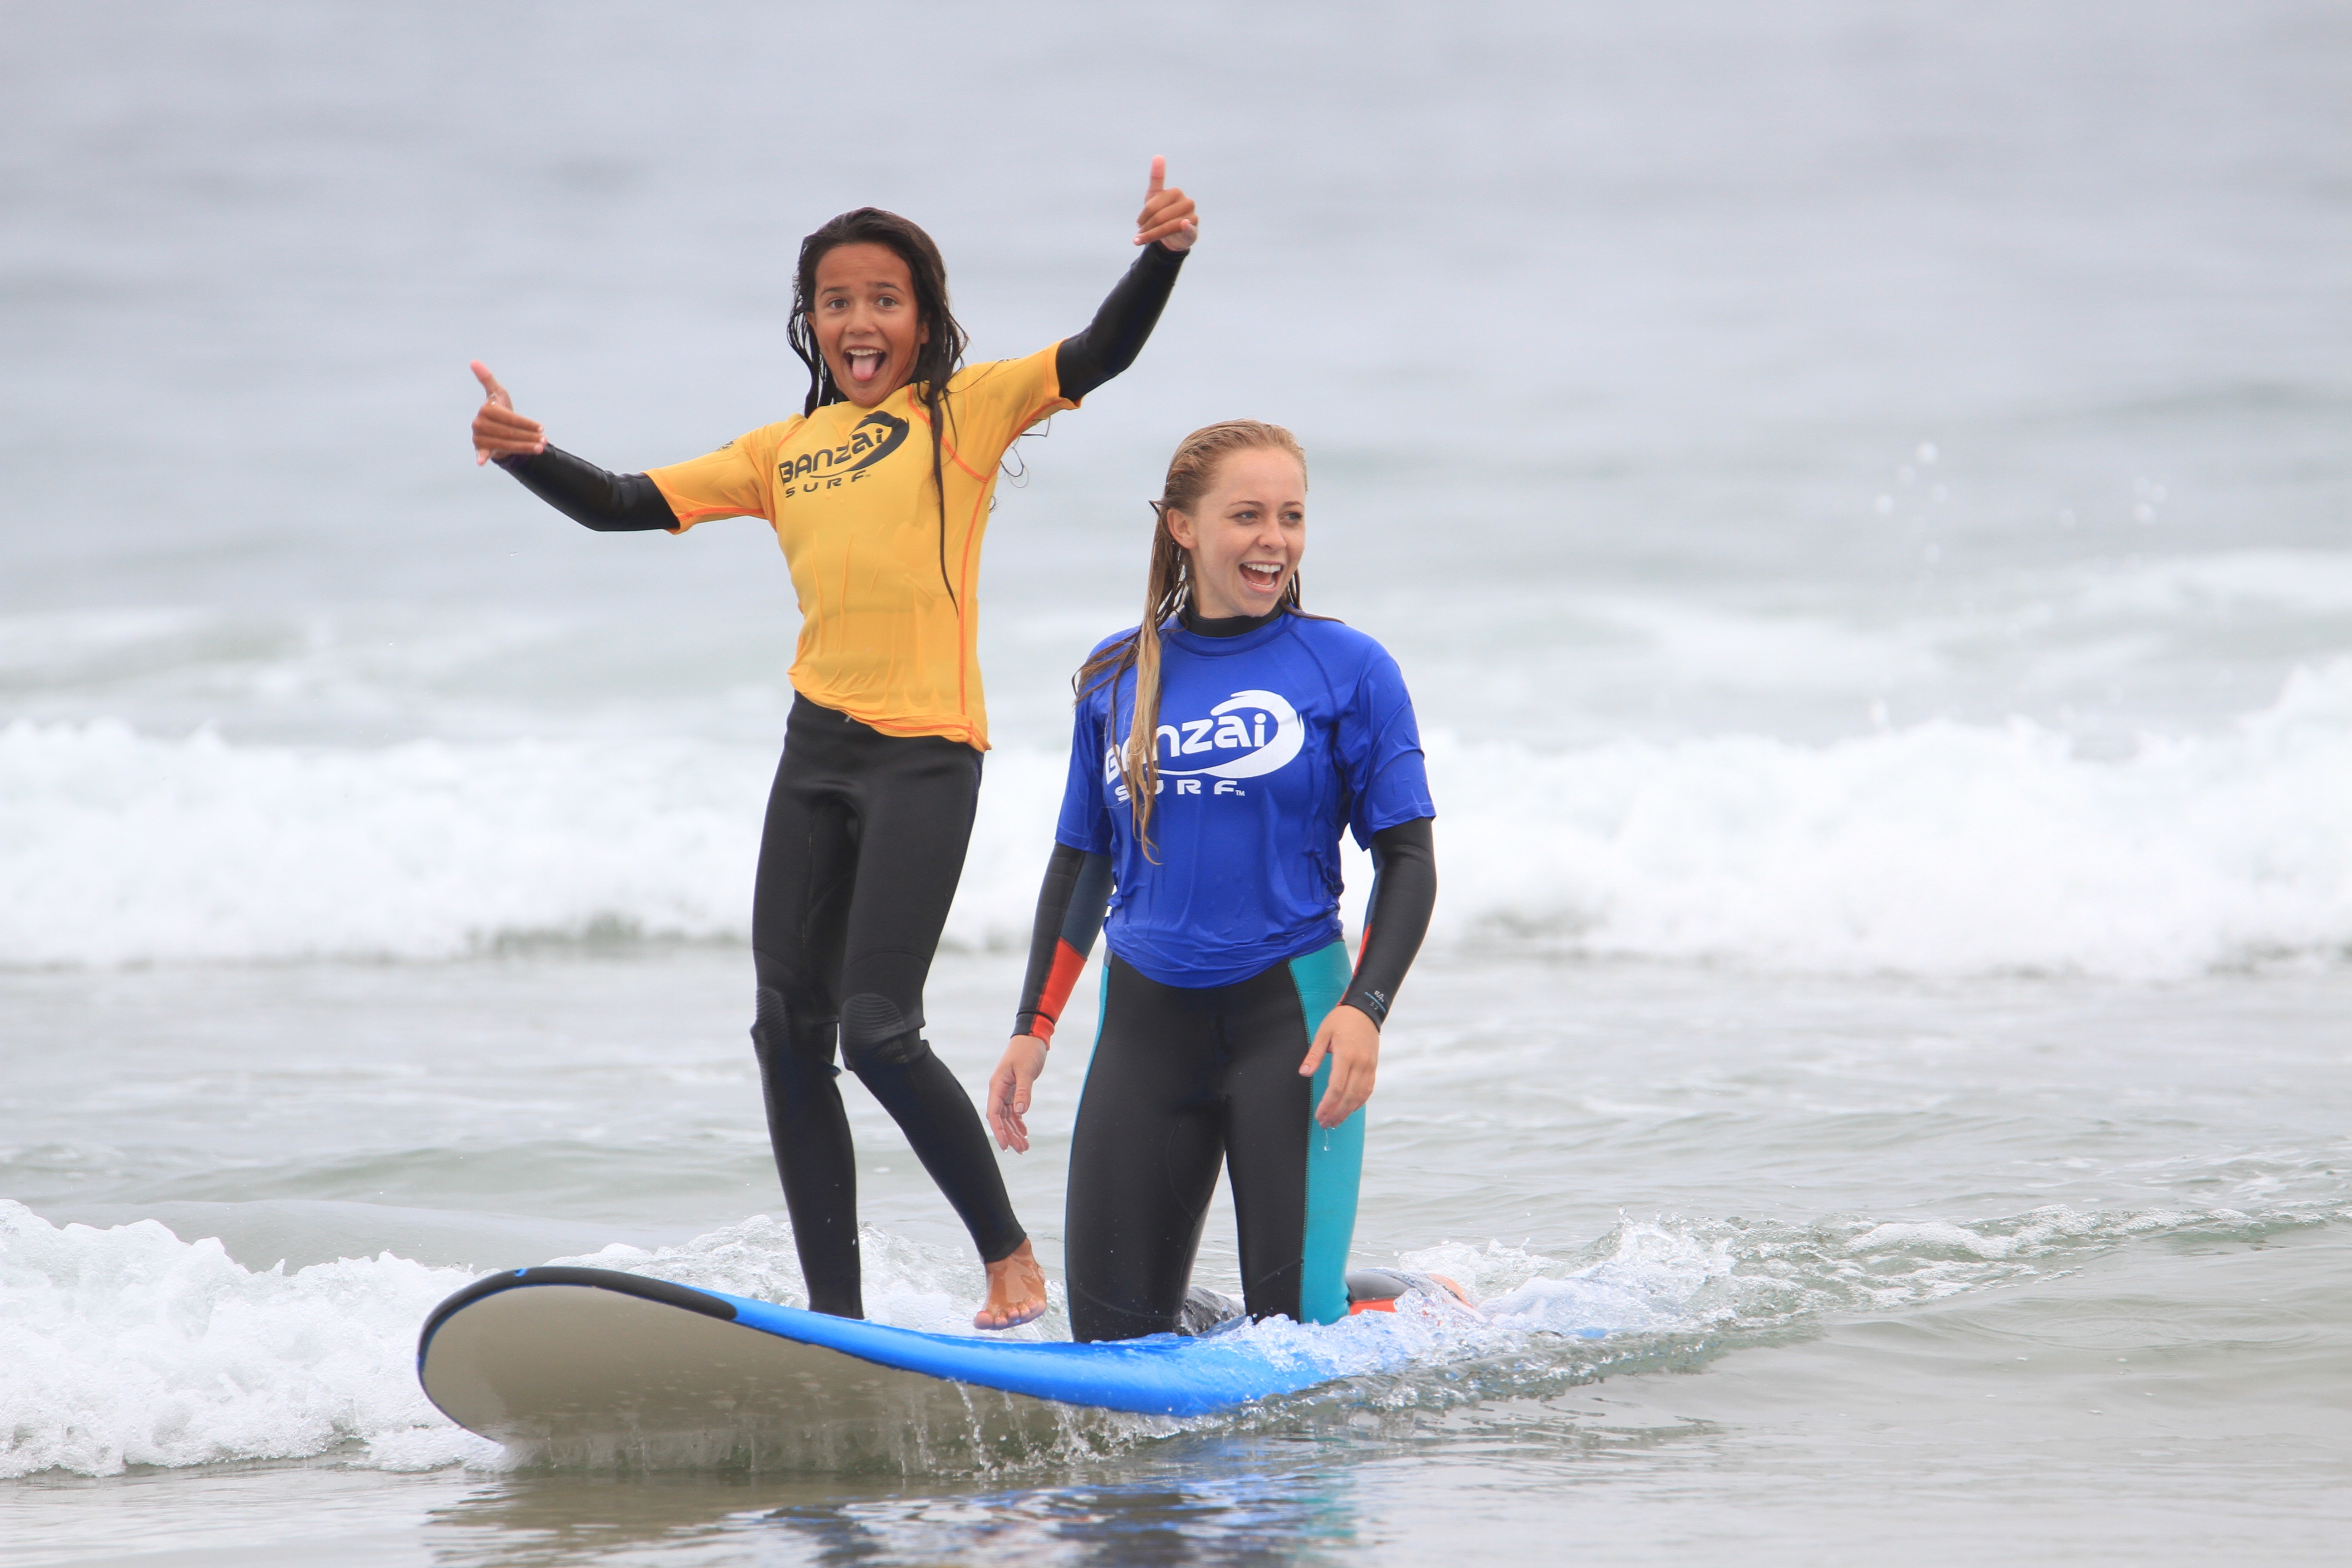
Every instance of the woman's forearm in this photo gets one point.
(1112, 340)
(589, 496)
(1070, 909)
(1404, 891)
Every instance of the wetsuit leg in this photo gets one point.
(808, 857)
(859, 861)
(862, 847)
(1269, 1107)
(1183, 1080)
(1143, 1157)
(1295, 1182)
(915, 800)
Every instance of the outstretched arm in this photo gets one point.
(1165, 228)
(1070, 909)
(1404, 891)
(588, 495)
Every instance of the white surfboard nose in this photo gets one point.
(600, 1369)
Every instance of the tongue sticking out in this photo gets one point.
(863, 367)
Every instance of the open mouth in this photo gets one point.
(865, 365)
(1265, 576)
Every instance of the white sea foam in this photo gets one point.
(130, 1347)
(120, 847)
(1937, 848)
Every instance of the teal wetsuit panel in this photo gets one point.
(1335, 1156)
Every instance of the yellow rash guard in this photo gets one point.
(849, 493)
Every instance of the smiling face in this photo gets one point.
(867, 323)
(1246, 534)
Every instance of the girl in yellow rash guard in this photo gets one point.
(878, 493)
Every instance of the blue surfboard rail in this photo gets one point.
(1165, 1375)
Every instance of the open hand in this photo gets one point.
(499, 430)
(1008, 1091)
(1168, 215)
(1354, 1042)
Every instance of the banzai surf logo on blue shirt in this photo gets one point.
(1247, 736)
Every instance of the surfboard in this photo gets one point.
(538, 1356)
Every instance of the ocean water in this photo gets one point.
(1859, 492)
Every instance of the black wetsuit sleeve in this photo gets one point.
(1070, 909)
(1405, 890)
(608, 502)
(1113, 339)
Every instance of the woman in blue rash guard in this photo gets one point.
(1217, 755)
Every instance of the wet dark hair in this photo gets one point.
(935, 362)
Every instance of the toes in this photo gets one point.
(1010, 1317)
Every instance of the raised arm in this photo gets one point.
(1070, 907)
(588, 495)
(1165, 228)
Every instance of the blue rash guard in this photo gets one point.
(1269, 743)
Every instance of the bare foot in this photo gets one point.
(1459, 1293)
(1016, 1291)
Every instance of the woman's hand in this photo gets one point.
(1354, 1042)
(1008, 1090)
(1168, 215)
(499, 430)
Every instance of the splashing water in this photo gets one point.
(129, 1347)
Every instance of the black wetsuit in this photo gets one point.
(862, 848)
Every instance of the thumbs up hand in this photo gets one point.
(499, 430)
(1169, 214)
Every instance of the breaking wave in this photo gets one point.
(1937, 848)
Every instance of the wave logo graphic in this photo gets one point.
(876, 438)
(1247, 736)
